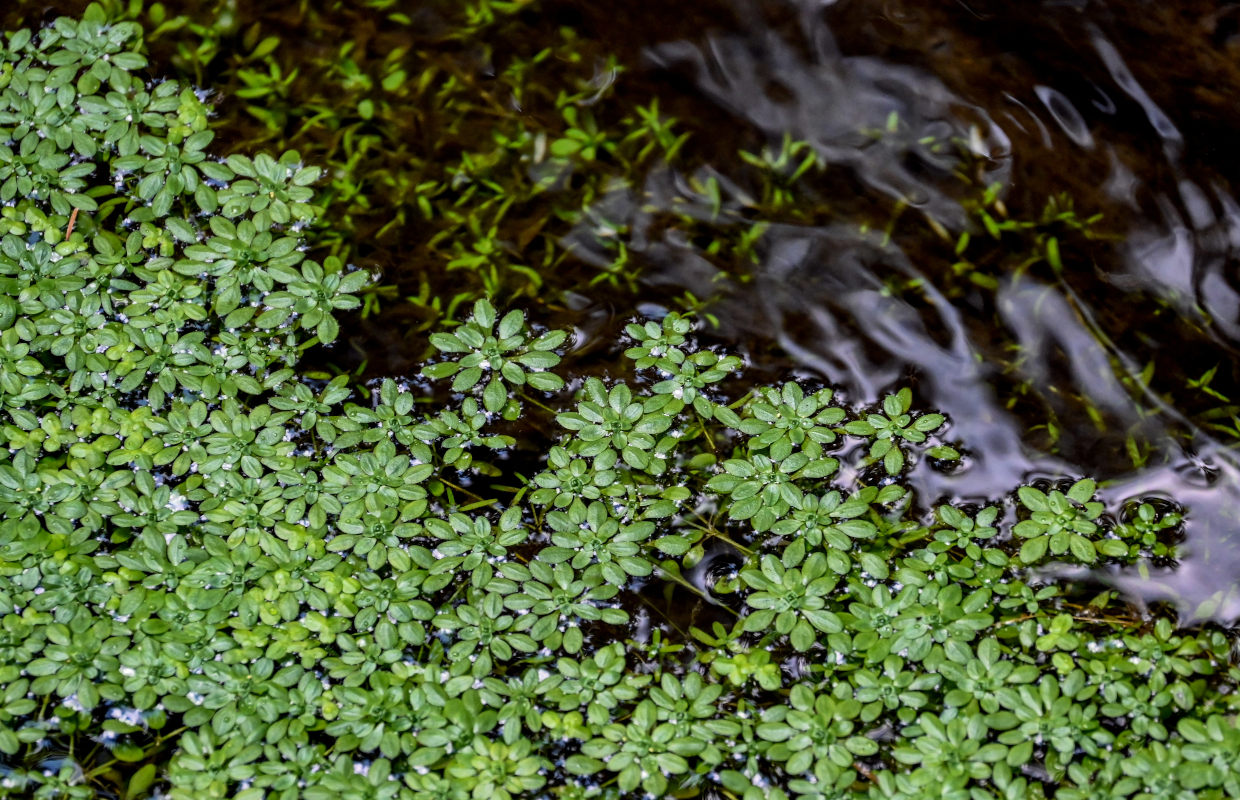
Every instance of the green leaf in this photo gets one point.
(140, 781)
(874, 565)
(537, 359)
(495, 395)
(444, 369)
(893, 461)
(181, 230)
(802, 636)
(1033, 499)
(583, 765)
(544, 381)
(512, 323)
(484, 314)
(124, 751)
(327, 330)
(673, 545)
(447, 343)
(466, 379)
(1034, 549)
(1082, 491)
(744, 509)
(1082, 548)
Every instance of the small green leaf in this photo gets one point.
(124, 751)
(673, 545)
(1034, 549)
(495, 395)
(1083, 549)
(327, 330)
(140, 781)
(1033, 499)
(512, 323)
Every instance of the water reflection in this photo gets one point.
(1107, 343)
(1202, 586)
(1124, 79)
(842, 106)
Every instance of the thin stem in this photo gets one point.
(532, 401)
(159, 740)
(710, 440)
(665, 617)
(679, 580)
(706, 527)
(461, 489)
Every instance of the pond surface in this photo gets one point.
(1024, 213)
(1087, 326)
(1114, 357)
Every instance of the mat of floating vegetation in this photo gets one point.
(221, 577)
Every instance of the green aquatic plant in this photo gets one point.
(223, 576)
(1060, 521)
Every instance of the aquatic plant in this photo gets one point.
(223, 577)
(482, 194)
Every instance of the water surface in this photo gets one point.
(1108, 129)
(1114, 360)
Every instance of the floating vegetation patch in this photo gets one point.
(221, 576)
(461, 163)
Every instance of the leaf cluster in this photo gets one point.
(223, 577)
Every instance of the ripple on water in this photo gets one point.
(1056, 369)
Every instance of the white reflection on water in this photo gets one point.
(823, 292)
